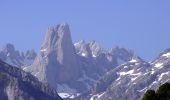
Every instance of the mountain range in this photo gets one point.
(86, 71)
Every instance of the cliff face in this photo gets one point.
(56, 62)
(16, 84)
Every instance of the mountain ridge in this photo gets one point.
(88, 71)
(17, 84)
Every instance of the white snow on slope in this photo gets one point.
(159, 65)
(68, 95)
(133, 61)
(64, 91)
(43, 50)
(161, 76)
(97, 96)
(64, 95)
(83, 54)
(143, 90)
(126, 73)
(94, 56)
(65, 88)
(166, 55)
(130, 72)
(133, 79)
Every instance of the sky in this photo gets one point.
(140, 25)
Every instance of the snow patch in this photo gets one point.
(78, 43)
(133, 79)
(126, 73)
(166, 55)
(36, 74)
(145, 73)
(97, 96)
(155, 82)
(152, 71)
(118, 79)
(25, 68)
(161, 76)
(43, 50)
(83, 54)
(94, 56)
(143, 90)
(125, 67)
(159, 65)
(63, 88)
(133, 61)
(64, 95)
(68, 95)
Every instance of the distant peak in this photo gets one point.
(135, 59)
(9, 47)
(165, 53)
(81, 42)
(93, 42)
(63, 24)
(58, 27)
(56, 35)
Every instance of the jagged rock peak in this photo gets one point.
(122, 53)
(95, 48)
(59, 33)
(8, 48)
(165, 53)
(94, 43)
(30, 54)
(117, 48)
(57, 61)
(136, 59)
(9, 51)
(79, 43)
(83, 49)
(90, 49)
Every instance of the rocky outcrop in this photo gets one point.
(16, 84)
(56, 62)
(30, 54)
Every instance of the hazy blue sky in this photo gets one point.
(140, 25)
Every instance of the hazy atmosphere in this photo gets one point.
(143, 26)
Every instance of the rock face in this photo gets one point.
(56, 62)
(15, 58)
(16, 84)
(73, 69)
(30, 54)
